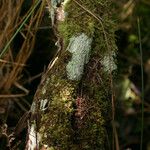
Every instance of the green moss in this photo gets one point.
(56, 127)
(83, 19)
(76, 21)
(78, 110)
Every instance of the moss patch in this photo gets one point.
(78, 110)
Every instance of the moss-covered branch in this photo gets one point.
(77, 88)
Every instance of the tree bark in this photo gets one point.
(72, 106)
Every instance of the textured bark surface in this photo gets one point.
(73, 101)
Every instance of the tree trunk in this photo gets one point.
(72, 105)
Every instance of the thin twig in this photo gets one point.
(14, 63)
(12, 95)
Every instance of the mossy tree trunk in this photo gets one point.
(73, 102)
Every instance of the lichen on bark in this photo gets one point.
(78, 110)
(79, 47)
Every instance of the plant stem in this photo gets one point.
(142, 82)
